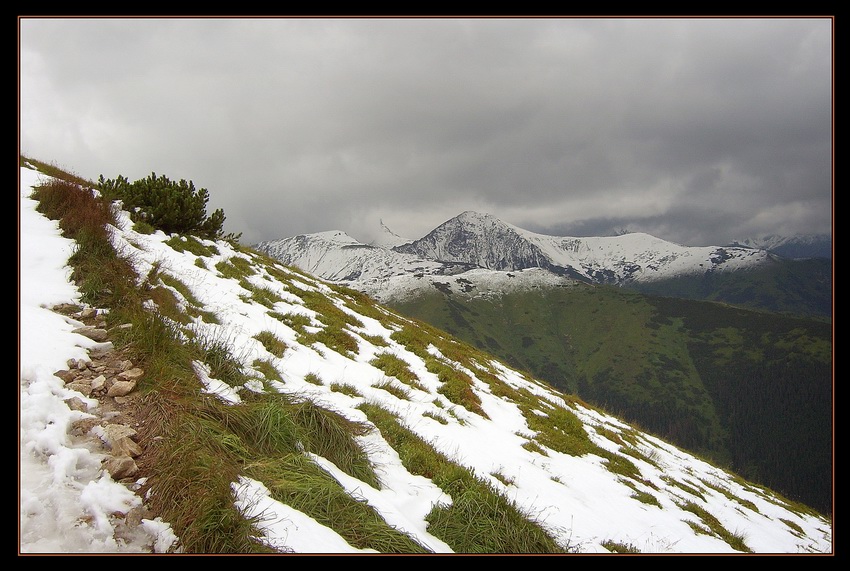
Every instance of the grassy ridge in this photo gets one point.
(794, 287)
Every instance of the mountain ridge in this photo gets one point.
(472, 240)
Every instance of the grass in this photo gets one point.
(335, 339)
(479, 520)
(301, 484)
(685, 487)
(735, 540)
(395, 366)
(194, 446)
(271, 343)
(397, 391)
(267, 369)
(646, 498)
(729, 495)
(346, 389)
(619, 547)
(295, 321)
(435, 416)
(456, 386)
(560, 430)
(188, 243)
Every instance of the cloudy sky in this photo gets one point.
(698, 131)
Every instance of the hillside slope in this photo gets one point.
(420, 434)
(751, 390)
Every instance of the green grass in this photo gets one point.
(397, 391)
(479, 520)
(335, 339)
(235, 268)
(456, 386)
(267, 369)
(346, 389)
(735, 540)
(395, 366)
(271, 343)
(188, 243)
(295, 321)
(560, 430)
(729, 495)
(619, 547)
(438, 417)
(646, 498)
(299, 483)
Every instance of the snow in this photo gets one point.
(473, 245)
(68, 502)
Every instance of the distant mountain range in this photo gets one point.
(483, 250)
(801, 246)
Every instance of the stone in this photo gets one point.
(92, 333)
(115, 432)
(67, 376)
(137, 514)
(131, 375)
(120, 388)
(88, 313)
(80, 387)
(98, 384)
(121, 467)
(83, 426)
(75, 403)
(126, 447)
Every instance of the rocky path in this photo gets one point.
(110, 378)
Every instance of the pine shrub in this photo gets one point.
(171, 206)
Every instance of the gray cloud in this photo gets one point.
(699, 131)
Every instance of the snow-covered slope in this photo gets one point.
(800, 246)
(624, 488)
(377, 271)
(473, 240)
(488, 242)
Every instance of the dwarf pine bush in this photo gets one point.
(175, 207)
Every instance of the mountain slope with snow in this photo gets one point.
(478, 241)
(487, 242)
(797, 247)
(592, 483)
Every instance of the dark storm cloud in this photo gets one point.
(697, 130)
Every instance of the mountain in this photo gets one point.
(278, 412)
(487, 242)
(796, 247)
(387, 238)
(739, 275)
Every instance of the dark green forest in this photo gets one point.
(750, 390)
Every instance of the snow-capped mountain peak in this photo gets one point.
(387, 238)
(474, 240)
